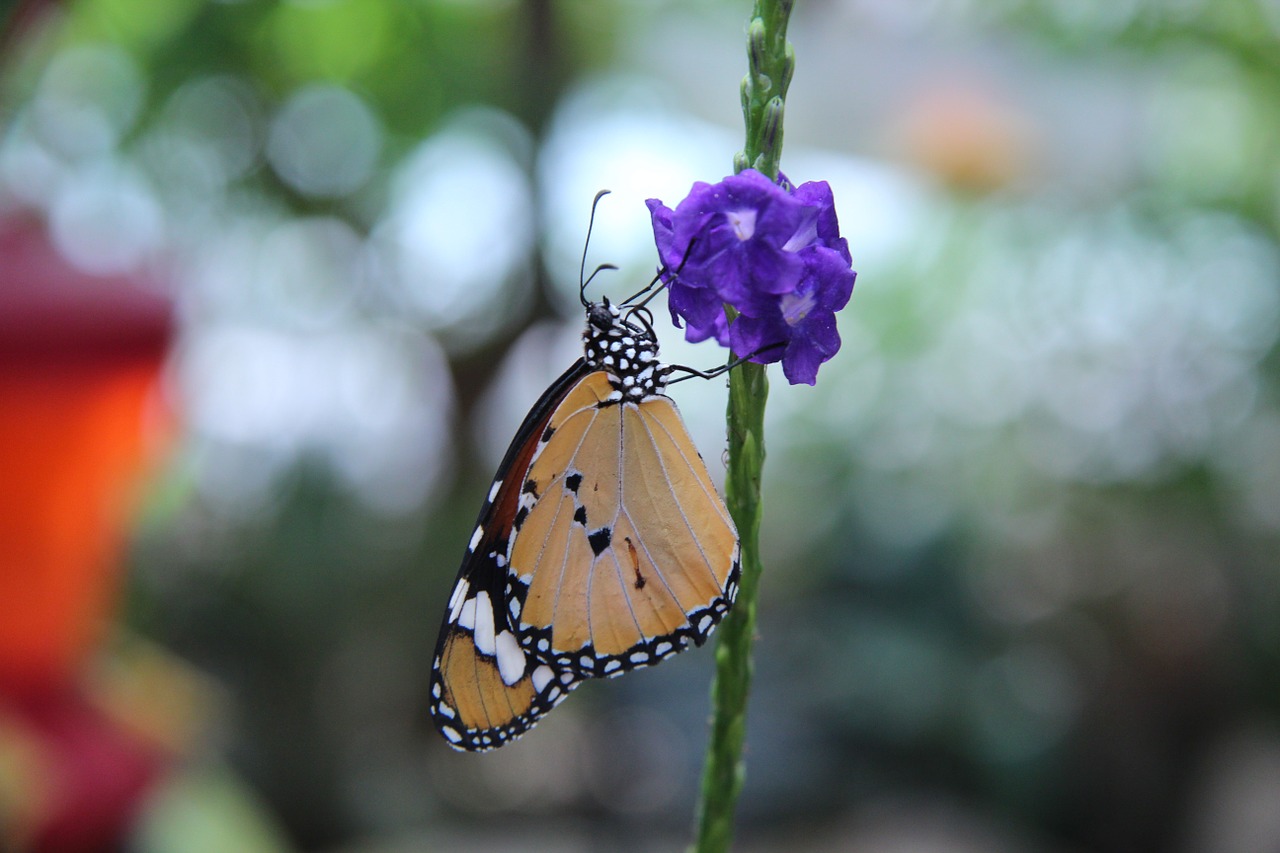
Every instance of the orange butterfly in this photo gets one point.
(603, 545)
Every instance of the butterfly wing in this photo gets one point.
(485, 689)
(603, 546)
(476, 708)
(623, 551)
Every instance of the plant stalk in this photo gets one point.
(770, 65)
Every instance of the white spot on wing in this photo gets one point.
(493, 492)
(451, 734)
(459, 596)
(484, 624)
(541, 677)
(511, 659)
(467, 616)
(475, 538)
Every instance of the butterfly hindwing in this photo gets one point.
(477, 708)
(627, 552)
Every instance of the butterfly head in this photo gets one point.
(621, 343)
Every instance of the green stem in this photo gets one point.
(770, 63)
(723, 772)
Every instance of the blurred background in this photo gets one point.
(278, 280)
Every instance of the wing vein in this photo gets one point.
(542, 548)
(712, 497)
(612, 551)
(644, 546)
(693, 534)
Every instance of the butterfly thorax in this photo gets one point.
(626, 351)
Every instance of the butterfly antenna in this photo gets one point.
(582, 267)
(591, 278)
(658, 280)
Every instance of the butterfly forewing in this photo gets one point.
(485, 689)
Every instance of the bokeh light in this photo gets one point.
(457, 237)
(324, 141)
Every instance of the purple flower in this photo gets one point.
(700, 306)
(802, 321)
(774, 254)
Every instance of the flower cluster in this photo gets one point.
(772, 253)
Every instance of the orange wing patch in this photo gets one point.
(627, 553)
(472, 702)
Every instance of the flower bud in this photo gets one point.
(788, 68)
(757, 46)
(771, 133)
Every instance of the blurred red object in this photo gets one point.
(80, 363)
(80, 357)
(24, 15)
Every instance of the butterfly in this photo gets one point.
(602, 547)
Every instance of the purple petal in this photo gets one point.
(757, 337)
(812, 345)
(828, 273)
(700, 307)
(663, 234)
(800, 365)
(718, 329)
(741, 226)
(818, 194)
(819, 333)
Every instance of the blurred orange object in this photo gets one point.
(80, 357)
(80, 360)
(966, 134)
